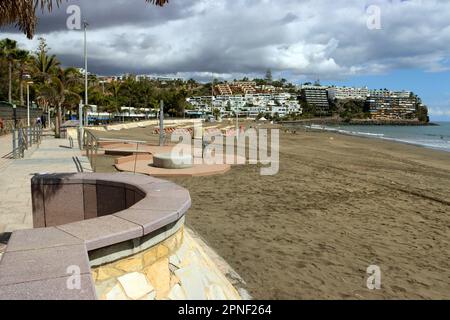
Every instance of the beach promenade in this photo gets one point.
(171, 262)
(53, 155)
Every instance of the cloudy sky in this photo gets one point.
(301, 40)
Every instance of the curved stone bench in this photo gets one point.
(76, 215)
(169, 161)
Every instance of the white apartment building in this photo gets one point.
(294, 107)
(158, 78)
(384, 93)
(402, 94)
(255, 111)
(343, 93)
(231, 101)
(310, 86)
(200, 100)
(282, 111)
(249, 105)
(260, 99)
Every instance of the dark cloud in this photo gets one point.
(321, 38)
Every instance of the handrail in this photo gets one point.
(24, 138)
(120, 140)
(92, 145)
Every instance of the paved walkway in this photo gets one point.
(5, 150)
(53, 156)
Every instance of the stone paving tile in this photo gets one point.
(15, 179)
(39, 239)
(17, 267)
(4, 163)
(7, 218)
(5, 144)
(150, 220)
(103, 231)
(46, 289)
(14, 227)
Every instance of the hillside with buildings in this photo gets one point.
(251, 99)
(287, 102)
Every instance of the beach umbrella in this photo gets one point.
(22, 13)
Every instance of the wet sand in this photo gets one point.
(338, 205)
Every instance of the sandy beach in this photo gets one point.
(338, 205)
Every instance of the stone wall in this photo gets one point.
(144, 276)
(175, 269)
(141, 253)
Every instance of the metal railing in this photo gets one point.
(24, 139)
(92, 145)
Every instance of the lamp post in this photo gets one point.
(28, 82)
(103, 86)
(86, 83)
(237, 123)
(80, 129)
(28, 102)
(15, 116)
(161, 124)
(14, 141)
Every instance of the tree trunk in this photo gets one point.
(10, 83)
(58, 122)
(49, 120)
(22, 103)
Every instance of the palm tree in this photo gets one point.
(16, 59)
(44, 102)
(128, 88)
(58, 92)
(64, 82)
(114, 90)
(47, 97)
(8, 50)
(23, 65)
(23, 12)
(44, 65)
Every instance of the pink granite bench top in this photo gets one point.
(38, 264)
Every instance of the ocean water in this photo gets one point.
(435, 137)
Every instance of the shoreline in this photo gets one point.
(360, 122)
(317, 128)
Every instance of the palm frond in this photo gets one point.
(22, 13)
